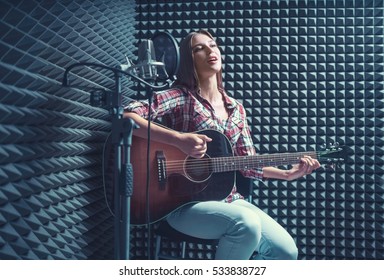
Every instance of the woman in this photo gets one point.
(198, 101)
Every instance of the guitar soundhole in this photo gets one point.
(198, 170)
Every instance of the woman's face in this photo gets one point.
(206, 56)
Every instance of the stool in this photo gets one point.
(164, 230)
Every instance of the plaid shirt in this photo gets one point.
(187, 112)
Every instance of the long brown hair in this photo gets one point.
(186, 75)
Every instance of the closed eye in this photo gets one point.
(200, 47)
(197, 48)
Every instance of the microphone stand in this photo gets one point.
(123, 174)
(122, 129)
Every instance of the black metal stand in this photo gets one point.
(122, 129)
(121, 134)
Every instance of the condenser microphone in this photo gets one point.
(151, 62)
(146, 67)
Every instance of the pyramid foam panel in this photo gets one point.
(308, 73)
(52, 202)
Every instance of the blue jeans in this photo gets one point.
(241, 227)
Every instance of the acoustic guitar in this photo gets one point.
(177, 179)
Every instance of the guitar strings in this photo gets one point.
(253, 161)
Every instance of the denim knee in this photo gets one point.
(248, 228)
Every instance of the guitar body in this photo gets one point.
(179, 186)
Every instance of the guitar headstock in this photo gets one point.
(332, 156)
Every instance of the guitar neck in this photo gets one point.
(225, 164)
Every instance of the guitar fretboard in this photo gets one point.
(225, 164)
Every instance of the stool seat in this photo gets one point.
(165, 230)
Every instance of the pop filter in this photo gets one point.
(167, 51)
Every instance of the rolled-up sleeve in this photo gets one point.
(139, 107)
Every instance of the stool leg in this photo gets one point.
(183, 246)
(158, 247)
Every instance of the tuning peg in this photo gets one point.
(330, 166)
(336, 145)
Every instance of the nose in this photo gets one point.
(209, 49)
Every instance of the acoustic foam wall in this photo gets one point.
(309, 73)
(52, 203)
(296, 90)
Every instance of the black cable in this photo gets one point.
(148, 215)
(103, 166)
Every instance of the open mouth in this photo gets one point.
(212, 59)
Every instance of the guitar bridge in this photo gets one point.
(161, 169)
